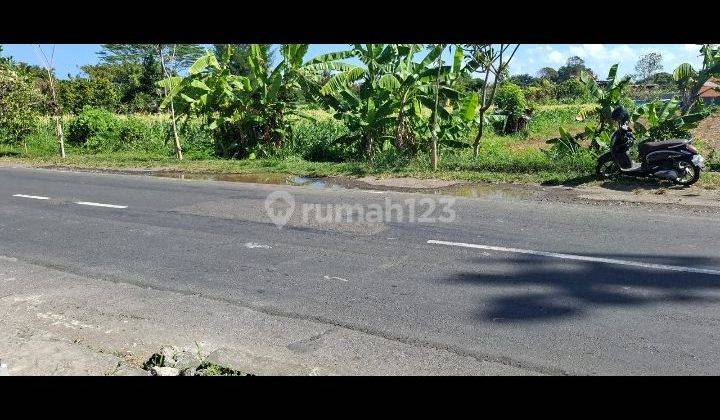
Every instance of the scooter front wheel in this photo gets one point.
(606, 167)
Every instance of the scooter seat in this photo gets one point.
(654, 146)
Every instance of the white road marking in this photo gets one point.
(36, 197)
(581, 258)
(252, 245)
(334, 278)
(88, 203)
(5, 258)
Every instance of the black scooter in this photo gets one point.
(676, 160)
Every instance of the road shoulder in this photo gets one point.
(57, 323)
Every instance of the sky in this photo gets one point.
(529, 59)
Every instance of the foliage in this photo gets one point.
(664, 120)
(124, 88)
(522, 80)
(247, 114)
(178, 56)
(318, 141)
(691, 81)
(605, 99)
(549, 74)
(19, 102)
(386, 97)
(511, 99)
(574, 67)
(510, 102)
(572, 88)
(240, 60)
(93, 128)
(490, 60)
(563, 146)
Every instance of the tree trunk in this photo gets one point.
(478, 136)
(398, 126)
(434, 151)
(60, 136)
(369, 147)
(56, 111)
(176, 138)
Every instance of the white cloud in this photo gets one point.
(599, 57)
(556, 57)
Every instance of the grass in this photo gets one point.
(511, 159)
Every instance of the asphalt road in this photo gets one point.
(550, 288)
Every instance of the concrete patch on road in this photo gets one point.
(254, 211)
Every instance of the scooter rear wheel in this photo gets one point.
(606, 167)
(689, 174)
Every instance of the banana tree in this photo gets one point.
(664, 119)
(605, 100)
(691, 81)
(364, 96)
(247, 114)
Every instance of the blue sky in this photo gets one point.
(529, 58)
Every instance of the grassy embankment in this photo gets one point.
(313, 152)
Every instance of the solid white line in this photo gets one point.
(580, 258)
(36, 197)
(112, 206)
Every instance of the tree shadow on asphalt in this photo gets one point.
(547, 289)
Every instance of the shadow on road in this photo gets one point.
(620, 184)
(542, 289)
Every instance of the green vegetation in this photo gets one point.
(401, 111)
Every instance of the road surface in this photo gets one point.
(542, 288)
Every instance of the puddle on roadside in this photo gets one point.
(461, 190)
(489, 190)
(268, 178)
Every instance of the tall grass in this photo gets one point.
(315, 145)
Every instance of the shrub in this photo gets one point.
(197, 142)
(145, 134)
(18, 106)
(572, 88)
(511, 99)
(320, 141)
(95, 128)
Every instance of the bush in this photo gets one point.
(320, 141)
(571, 89)
(197, 142)
(94, 128)
(18, 106)
(145, 134)
(511, 99)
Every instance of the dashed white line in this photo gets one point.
(88, 203)
(580, 258)
(34, 197)
(253, 245)
(334, 278)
